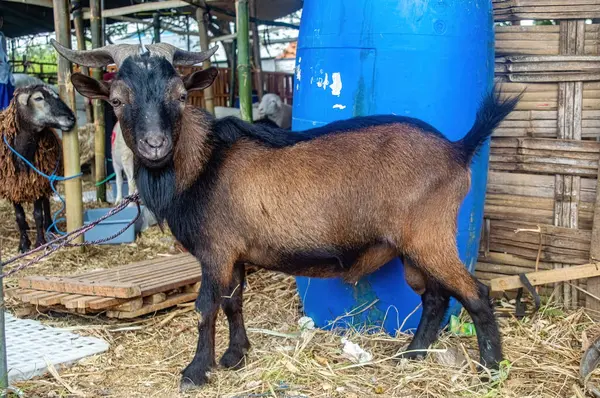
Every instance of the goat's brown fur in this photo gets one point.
(26, 186)
(415, 197)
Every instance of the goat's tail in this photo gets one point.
(492, 111)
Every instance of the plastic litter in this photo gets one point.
(306, 323)
(354, 352)
(461, 328)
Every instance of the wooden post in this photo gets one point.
(79, 31)
(256, 52)
(204, 43)
(99, 135)
(243, 43)
(70, 139)
(156, 25)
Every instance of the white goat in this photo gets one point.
(273, 107)
(122, 160)
(224, 111)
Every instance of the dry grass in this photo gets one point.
(146, 356)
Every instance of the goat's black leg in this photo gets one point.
(439, 260)
(24, 242)
(38, 216)
(488, 335)
(435, 302)
(207, 306)
(47, 213)
(232, 306)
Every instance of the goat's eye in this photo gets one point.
(183, 97)
(115, 102)
(38, 99)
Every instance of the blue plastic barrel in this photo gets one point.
(432, 60)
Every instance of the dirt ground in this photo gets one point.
(146, 356)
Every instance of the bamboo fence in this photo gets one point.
(544, 161)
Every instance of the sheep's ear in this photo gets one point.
(90, 87)
(201, 79)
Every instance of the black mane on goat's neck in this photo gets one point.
(230, 129)
(157, 189)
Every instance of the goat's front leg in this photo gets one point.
(47, 213)
(38, 216)
(24, 242)
(207, 306)
(232, 306)
(119, 181)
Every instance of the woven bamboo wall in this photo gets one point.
(544, 158)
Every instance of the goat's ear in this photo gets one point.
(201, 79)
(90, 87)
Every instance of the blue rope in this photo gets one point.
(52, 178)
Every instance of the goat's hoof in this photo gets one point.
(24, 247)
(193, 377)
(412, 355)
(233, 358)
(490, 371)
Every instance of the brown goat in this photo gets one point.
(27, 125)
(340, 200)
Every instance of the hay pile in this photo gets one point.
(146, 356)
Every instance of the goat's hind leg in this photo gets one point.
(24, 242)
(232, 306)
(434, 300)
(440, 261)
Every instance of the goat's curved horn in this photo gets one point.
(177, 56)
(98, 57)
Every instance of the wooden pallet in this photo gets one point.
(124, 292)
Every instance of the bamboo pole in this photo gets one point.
(256, 52)
(244, 76)
(187, 29)
(70, 139)
(232, 78)
(156, 25)
(79, 31)
(204, 43)
(99, 126)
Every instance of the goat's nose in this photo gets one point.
(155, 141)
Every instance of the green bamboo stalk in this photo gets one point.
(243, 43)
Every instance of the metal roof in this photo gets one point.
(24, 18)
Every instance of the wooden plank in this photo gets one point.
(135, 268)
(131, 305)
(548, 276)
(70, 285)
(148, 309)
(105, 302)
(53, 300)
(153, 299)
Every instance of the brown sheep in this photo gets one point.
(27, 125)
(319, 203)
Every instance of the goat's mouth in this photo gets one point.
(155, 158)
(65, 123)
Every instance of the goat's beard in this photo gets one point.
(156, 189)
